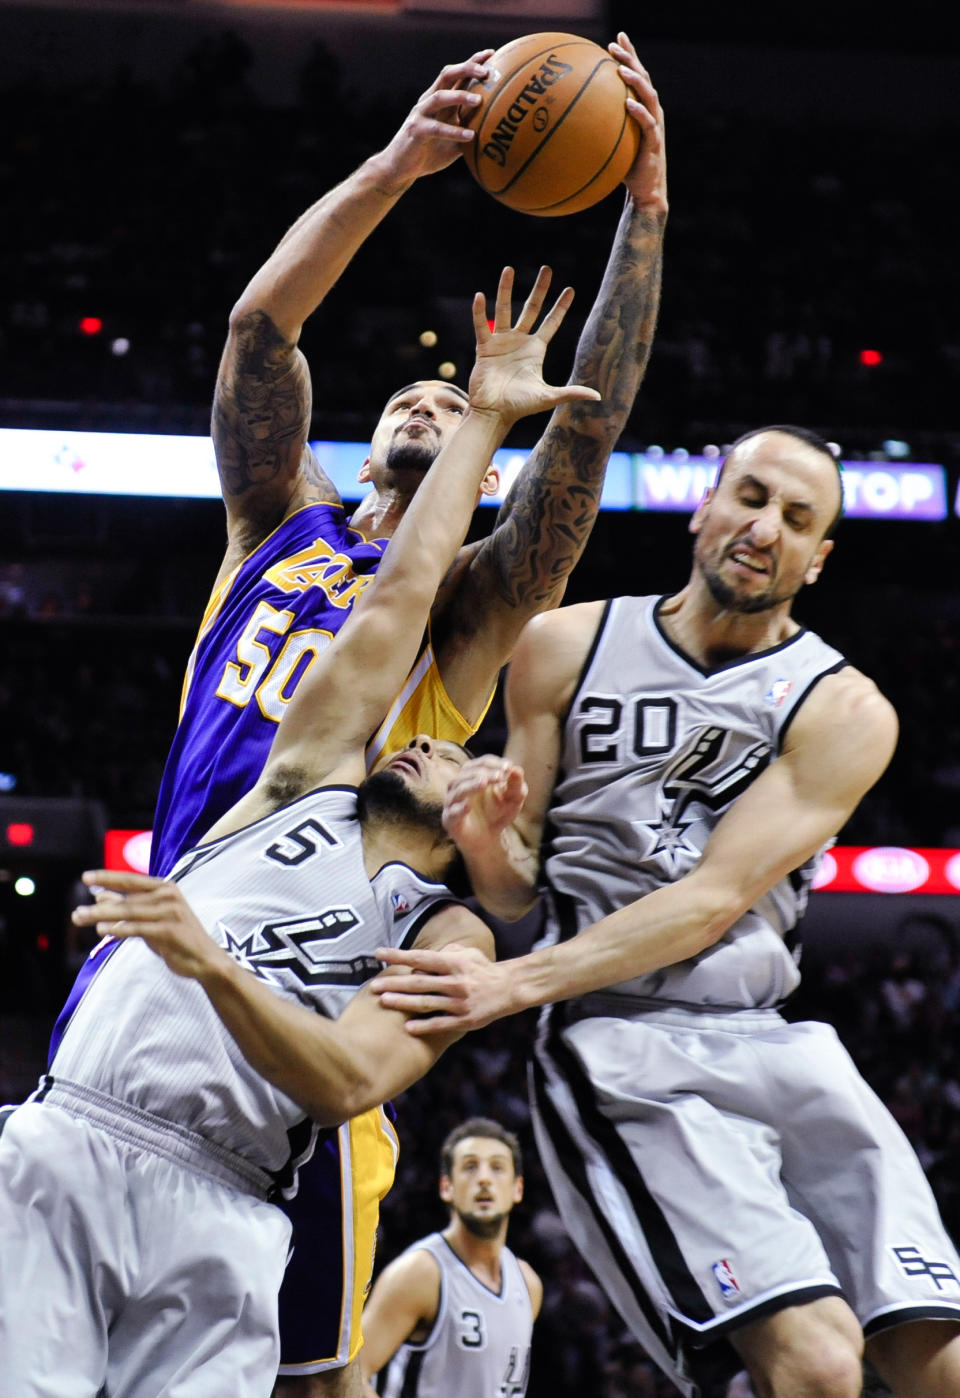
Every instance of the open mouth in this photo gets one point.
(753, 562)
(406, 762)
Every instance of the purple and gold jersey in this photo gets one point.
(261, 631)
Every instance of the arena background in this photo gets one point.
(153, 154)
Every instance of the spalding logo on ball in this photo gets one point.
(553, 134)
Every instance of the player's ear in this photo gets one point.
(518, 1189)
(491, 482)
(819, 559)
(363, 475)
(696, 519)
(446, 1189)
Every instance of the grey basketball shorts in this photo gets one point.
(715, 1168)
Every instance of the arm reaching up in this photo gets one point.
(262, 404)
(350, 686)
(543, 526)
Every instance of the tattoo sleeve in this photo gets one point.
(261, 420)
(544, 525)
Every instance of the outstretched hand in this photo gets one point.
(458, 987)
(507, 376)
(646, 179)
(138, 905)
(484, 797)
(431, 137)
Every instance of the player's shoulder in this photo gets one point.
(416, 1270)
(566, 628)
(846, 703)
(534, 1285)
(848, 693)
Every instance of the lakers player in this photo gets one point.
(140, 1251)
(740, 1192)
(454, 1312)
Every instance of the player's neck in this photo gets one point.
(481, 1255)
(395, 841)
(379, 513)
(712, 634)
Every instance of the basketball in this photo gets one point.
(553, 134)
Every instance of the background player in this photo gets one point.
(133, 1185)
(455, 1311)
(728, 1175)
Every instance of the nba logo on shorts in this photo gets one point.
(727, 1282)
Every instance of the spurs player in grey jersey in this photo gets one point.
(454, 1312)
(742, 1195)
(140, 1251)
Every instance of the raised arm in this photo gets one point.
(522, 568)
(838, 747)
(262, 403)
(351, 684)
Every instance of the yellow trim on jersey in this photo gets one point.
(423, 706)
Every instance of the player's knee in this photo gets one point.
(833, 1369)
(802, 1351)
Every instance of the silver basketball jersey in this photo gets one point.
(289, 898)
(655, 749)
(479, 1344)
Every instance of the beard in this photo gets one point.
(727, 597)
(484, 1228)
(386, 798)
(412, 454)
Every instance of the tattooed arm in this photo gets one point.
(522, 568)
(262, 404)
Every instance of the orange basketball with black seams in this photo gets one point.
(553, 134)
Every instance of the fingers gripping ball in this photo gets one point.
(553, 134)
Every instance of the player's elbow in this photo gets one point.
(255, 328)
(353, 1092)
(719, 905)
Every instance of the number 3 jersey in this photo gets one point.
(289, 898)
(655, 750)
(479, 1343)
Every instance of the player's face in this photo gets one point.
(426, 766)
(413, 427)
(482, 1186)
(760, 532)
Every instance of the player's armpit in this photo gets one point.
(402, 1306)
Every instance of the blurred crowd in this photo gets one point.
(791, 250)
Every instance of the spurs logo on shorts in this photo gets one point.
(913, 1264)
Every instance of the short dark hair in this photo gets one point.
(454, 388)
(490, 1131)
(810, 439)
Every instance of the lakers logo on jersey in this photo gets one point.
(319, 566)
